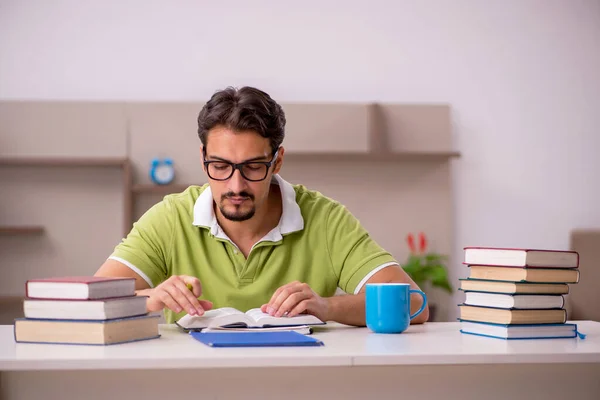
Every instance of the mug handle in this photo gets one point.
(424, 301)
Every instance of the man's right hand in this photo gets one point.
(175, 295)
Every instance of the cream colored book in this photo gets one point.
(513, 274)
(477, 285)
(56, 331)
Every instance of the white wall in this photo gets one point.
(522, 76)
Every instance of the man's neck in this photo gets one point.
(264, 220)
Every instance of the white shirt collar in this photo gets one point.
(291, 218)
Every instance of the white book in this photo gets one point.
(520, 331)
(513, 301)
(104, 309)
(521, 257)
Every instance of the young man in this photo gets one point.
(248, 238)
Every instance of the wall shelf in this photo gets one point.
(75, 162)
(21, 230)
(149, 188)
(131, 189)
(373, 156)
(62, 162)
(11, 307)
(11, 299)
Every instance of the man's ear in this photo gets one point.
(279, 161)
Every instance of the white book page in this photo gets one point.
(216, 317)
(265, 319)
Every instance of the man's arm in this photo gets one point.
(114, 268)
(350, 309)
(296, 298)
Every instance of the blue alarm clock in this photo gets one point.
(162, 171)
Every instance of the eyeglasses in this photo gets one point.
(253, 171)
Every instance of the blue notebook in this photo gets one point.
(255, 339)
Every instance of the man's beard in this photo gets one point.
(237, 215)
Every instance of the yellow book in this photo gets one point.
(505, 316)
(489, 286)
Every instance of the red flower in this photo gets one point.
(422, 242)
(411, 243)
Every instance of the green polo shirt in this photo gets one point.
(318, 241)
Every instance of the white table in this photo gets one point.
(433, 360)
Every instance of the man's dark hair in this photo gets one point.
(243, 109)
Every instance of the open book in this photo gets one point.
(231, 317)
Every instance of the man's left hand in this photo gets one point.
(297, 298)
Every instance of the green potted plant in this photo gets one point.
(427, 269)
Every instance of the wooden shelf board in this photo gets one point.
(325, 156)
(159, 189)
(21, 230)
(63, 161)
(11, 299)
(373, 156)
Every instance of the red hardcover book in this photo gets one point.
(523, 258)
(79, 287)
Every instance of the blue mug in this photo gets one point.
(388, 307)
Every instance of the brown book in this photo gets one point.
(477, 285)
(504, 316)
(85, 331)
(543, 275)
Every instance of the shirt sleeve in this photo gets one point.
(147, 247)
(354, 255)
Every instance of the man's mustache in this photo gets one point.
(240, 194)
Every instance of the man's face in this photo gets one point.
(238, 198)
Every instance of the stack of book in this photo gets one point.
(517, 293)
(84, 310)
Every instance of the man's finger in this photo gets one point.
(283, 295)
(277, 293)
(206, 305)
(169, 302)
(292, 301)
(181, 299)
(194, 283)
(300, 308)
(191, 299)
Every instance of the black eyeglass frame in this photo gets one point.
(239, 167)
